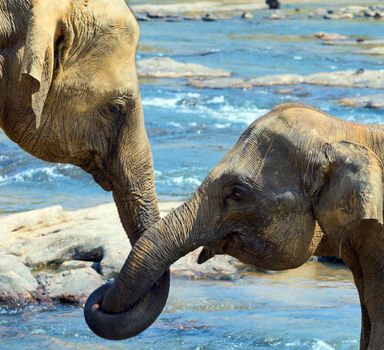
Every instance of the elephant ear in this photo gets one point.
(352, 190)
(39, 55)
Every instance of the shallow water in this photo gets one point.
(314, 307)
(191, 129)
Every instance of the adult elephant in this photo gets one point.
(69, 93)
(290, 169)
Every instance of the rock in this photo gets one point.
(209, 18)
(320, 12)
(200, 8)
(142, 18)
(72, 286)
(278, 15)
(371, 101)
(155, 15)
(173, 19)
(373, 51)
(247, 15)
(220, 267)
(165, 67)
(280, 79)
(345, 16)
(75, 264)
(373, 79)
(17, 285)
(329, 36)
(273, 4)
(220, 83)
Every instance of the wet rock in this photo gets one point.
(373, 79)
(278, 15)
(371, 101)
(220, 267)
(210, 18)
(72, 286)
(220, 83)
(155, 15)
(329, 36)
(165, 67)
(17, 284)
(273, 4)
(320, 12)
(280, 79)
(200, 8)
(375, 51)
(247, 15)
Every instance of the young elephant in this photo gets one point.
(69, 93)
(291, 169)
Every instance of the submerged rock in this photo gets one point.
(371, 101)
(247, 15)
(330, 36)
(376, 51)
(278, 14)
(165, 67)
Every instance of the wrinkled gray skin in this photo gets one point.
(69, 93)
(289, 170)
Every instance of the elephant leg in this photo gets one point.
(365, 257)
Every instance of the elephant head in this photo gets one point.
(70, 94)
(261, 203)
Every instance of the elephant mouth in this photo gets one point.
(218, 247)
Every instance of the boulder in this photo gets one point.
(72, 286)
(17, 285)
(220, 267)
(165, 67)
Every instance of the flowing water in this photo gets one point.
(190, 130)
(314, 307)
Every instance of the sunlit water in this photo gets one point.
(191, 129)
(315, 307)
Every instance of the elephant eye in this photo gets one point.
(238, 193)
(116, 108)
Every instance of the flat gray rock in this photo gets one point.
(165, 67)
(373, 79)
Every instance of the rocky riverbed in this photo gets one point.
(56, 255)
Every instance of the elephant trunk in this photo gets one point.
(134, 194)
(160, 246)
